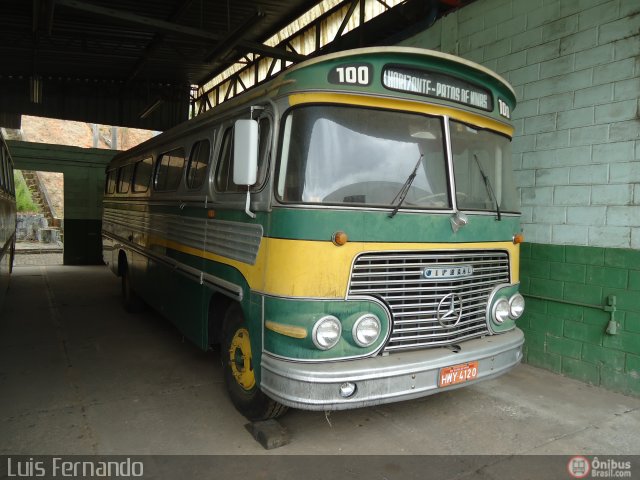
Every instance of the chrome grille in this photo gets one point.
(396, 278)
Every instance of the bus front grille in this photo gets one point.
(405, 282)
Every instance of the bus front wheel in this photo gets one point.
(239, 376)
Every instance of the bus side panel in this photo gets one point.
(177, 297)
(5, 270)
(164, 285)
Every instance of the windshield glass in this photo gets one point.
(355, 156)
(477, 153)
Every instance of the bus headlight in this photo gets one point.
(366, 330)
(516, 306)
(326, 332)
(501, 311)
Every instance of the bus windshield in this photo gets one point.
(480, 154)
(356, 156)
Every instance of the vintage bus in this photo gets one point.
(7, 217)
(347, 232)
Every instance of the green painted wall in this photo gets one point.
(576, 151)
(82, 242)
(83, 170)
(572, 339)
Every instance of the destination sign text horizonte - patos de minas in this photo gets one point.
(436, 85)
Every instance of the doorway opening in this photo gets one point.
(40, 218)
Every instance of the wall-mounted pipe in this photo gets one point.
(613, 325)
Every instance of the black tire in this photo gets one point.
(130, 300)
(243, 390)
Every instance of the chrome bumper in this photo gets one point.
(384, 379)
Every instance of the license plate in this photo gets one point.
(460, 373)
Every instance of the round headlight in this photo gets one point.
(516, 306)
(366, 330)
(326, 332)
(501, 311)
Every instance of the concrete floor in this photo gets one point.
(37, 258)
(79, 375)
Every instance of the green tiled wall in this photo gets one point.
(569, 338)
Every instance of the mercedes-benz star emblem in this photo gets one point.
(449, 310)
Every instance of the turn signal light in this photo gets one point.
(518, 238)
(340, 238)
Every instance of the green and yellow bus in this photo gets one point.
(347, 232)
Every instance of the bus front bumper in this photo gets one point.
(385, 379)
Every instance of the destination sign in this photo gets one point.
(436, 85)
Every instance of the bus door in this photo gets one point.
(236, 233)
(179, 226)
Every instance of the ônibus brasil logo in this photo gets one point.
(579, 467)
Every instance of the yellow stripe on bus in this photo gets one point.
(406, 105)
(313, 268)
(287, 330)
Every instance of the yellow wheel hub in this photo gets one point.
(240, 359)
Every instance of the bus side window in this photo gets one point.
(6, 170)
(110, 185)
(124, 178)
(142, 175)
(169, 170)
(7, 173)
(198, 162)
(3, 169)
(224, 172)
(264, 150)
(12, 187)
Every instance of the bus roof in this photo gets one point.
(404, 50)
(304, 76)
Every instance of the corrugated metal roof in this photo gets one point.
(109, 66)
(132, 63)
(52, 38)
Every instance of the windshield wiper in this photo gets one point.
(402, 194)
(487, 184)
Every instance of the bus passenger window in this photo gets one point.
(224, 173)
(142, 175)
(264, 135)
(198, 162)
(7, 174)
(5, 165)
(11, 187)
(124, 178)
(169, 170)
(110, 184)
(3, 170)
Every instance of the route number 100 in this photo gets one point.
(354, 75)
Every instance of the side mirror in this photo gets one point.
(245, 152)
